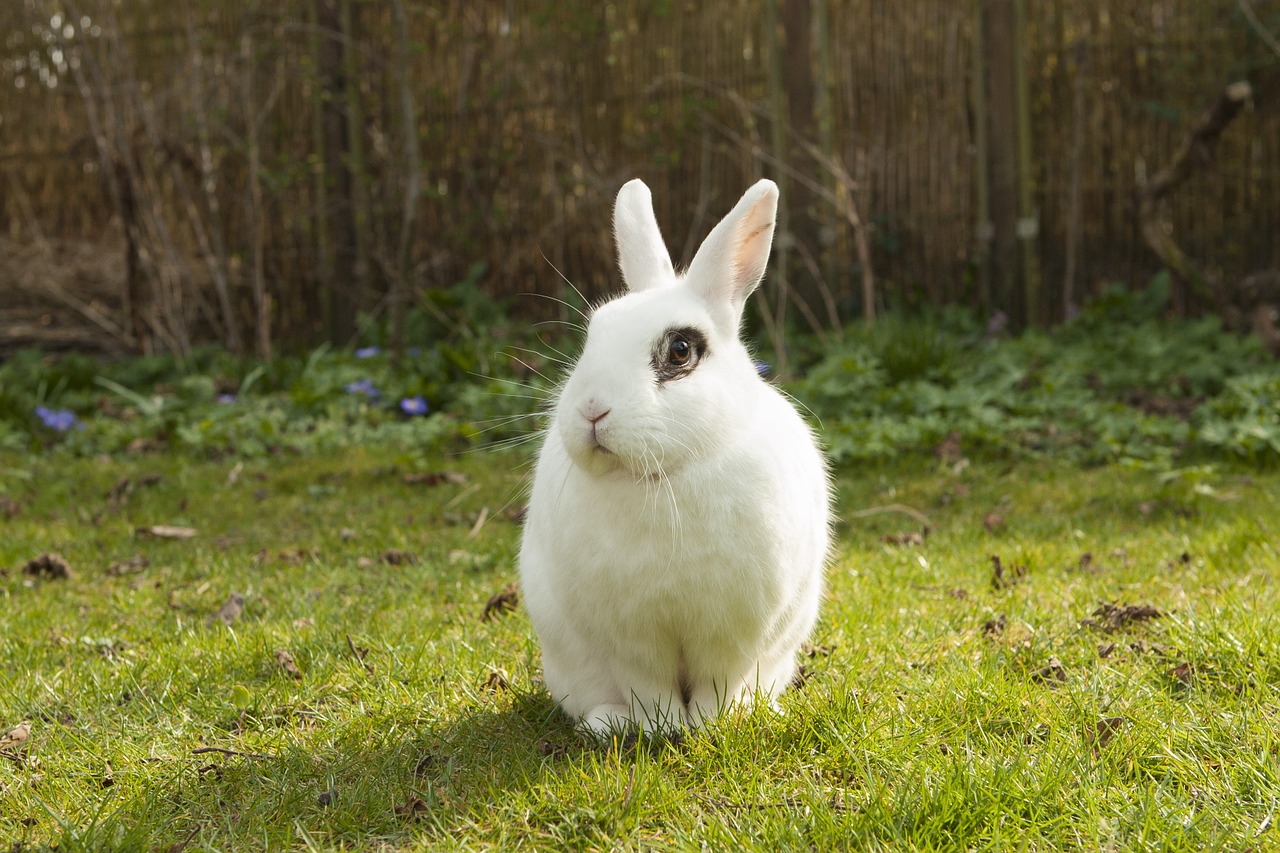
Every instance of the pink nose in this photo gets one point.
(594, 411)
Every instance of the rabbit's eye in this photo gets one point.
(678, 352)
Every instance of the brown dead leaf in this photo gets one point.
(142, 445)
(993, 522)
(364, 563)
(501, 603)
(215, 769)
(229, 612)
(995, 627)
(1182, 673)
(108, 776)
(10, 507)
(287, 663)
(1004, 578)
(435, 478)
(131, 566)
(910, 537)
(327, 798)
(15, 740)
(1104, 730)
(497, 681)
(812, 652)
(428, 762)
(948, 450)
(1112, 617)
(1051, 673)
(360, 653)
(397, 557)
(50, 566)
(166, 531)
(120, 491)
(304, 622)
(548, 749)
(119, 494)
(803, 672)
(415, 808)
(1105, 650)
(1141, 647)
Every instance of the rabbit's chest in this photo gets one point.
(669, 562)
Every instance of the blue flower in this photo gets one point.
(226, 399)
(364, 387)
(413, 406)
(762, 367)
(59, 420)
(368, 352)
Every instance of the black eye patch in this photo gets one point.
(677, 352)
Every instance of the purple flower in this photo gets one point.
(997, 323)
(364, 387)
(226, 399)
(59, 420)
(368, 352)
(413, 406)
(762, 367)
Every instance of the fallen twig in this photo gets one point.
(204, 750)
(902, 508)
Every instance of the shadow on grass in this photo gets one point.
(353, 780)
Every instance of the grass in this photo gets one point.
(941, 709)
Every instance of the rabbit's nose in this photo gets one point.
(595, 412)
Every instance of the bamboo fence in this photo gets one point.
(250, 175)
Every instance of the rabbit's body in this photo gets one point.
(673, 550)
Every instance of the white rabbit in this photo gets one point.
(673, 551)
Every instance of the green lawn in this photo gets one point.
(943, 707)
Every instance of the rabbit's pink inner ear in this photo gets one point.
(752, 254)
(732, 260)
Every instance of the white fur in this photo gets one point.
(677, 544)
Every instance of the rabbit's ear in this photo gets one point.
(732, 260)
(642, 255)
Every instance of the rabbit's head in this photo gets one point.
(663, 379)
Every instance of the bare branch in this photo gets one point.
(1246, 7)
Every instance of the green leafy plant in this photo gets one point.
(1116, 383)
